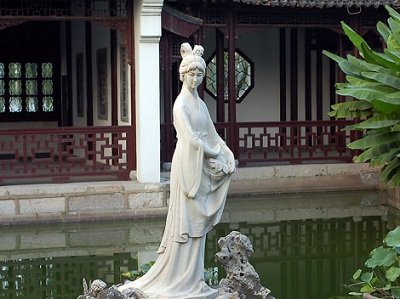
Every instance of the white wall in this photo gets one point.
(263, 102)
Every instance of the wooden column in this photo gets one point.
(307, 75)
(293, 75)
(114, 71)
(319, 84)
(282, 75)
(199, 40)
(69, 110)
(131, 142)
(89, 82)
(114, 78)
(220, 75)
(232, 84)
(332, 82)
(114, 90)
(167, 147)
(340, 74)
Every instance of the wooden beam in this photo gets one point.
(179, 23)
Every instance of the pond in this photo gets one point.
(307, 246)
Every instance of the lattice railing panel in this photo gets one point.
(282, 142)
(293, 141)
(65, 152)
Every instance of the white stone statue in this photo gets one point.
(200, 175)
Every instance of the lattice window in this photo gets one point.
(244, 75)
(26, 87)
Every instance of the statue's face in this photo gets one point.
(194, 78)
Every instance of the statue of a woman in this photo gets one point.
(200, 174)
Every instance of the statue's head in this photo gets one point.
(191, 59)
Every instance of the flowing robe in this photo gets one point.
(198, 189)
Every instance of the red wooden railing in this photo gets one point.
(294, 142)
(62, 153)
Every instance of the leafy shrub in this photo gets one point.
(373, 79)
(380, 277)
(134, 274)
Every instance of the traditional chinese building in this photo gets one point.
(87, 86)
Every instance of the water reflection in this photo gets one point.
(305, 247)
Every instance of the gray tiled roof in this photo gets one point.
(321, 3)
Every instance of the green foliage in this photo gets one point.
(381, 275)
(134, 274)
(373, 81)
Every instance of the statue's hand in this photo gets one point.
(191, 196)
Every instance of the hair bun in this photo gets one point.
(186, 49)
(198, 50)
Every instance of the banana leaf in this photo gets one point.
(379, 58)
(333, 56)
(393, 13)
(351, 109)
(386, 79)
(352, 105)
(392, 43)
(394, 55)
(378, 122)
(373, 80)
(366, 93)
(374, 67)
(395, 180)
(372, 153)
(374, 140)
(395, 128)
(390, 155)
(395, 28)
(390, 169)
(354, 37)
(346, 66)
(385, 105)
(383, 30)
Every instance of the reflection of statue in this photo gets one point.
(200, 174)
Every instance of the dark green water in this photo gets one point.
(306, 247)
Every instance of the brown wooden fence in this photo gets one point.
(62, 153)
(280, 142)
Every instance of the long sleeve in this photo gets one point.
(190, 149)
